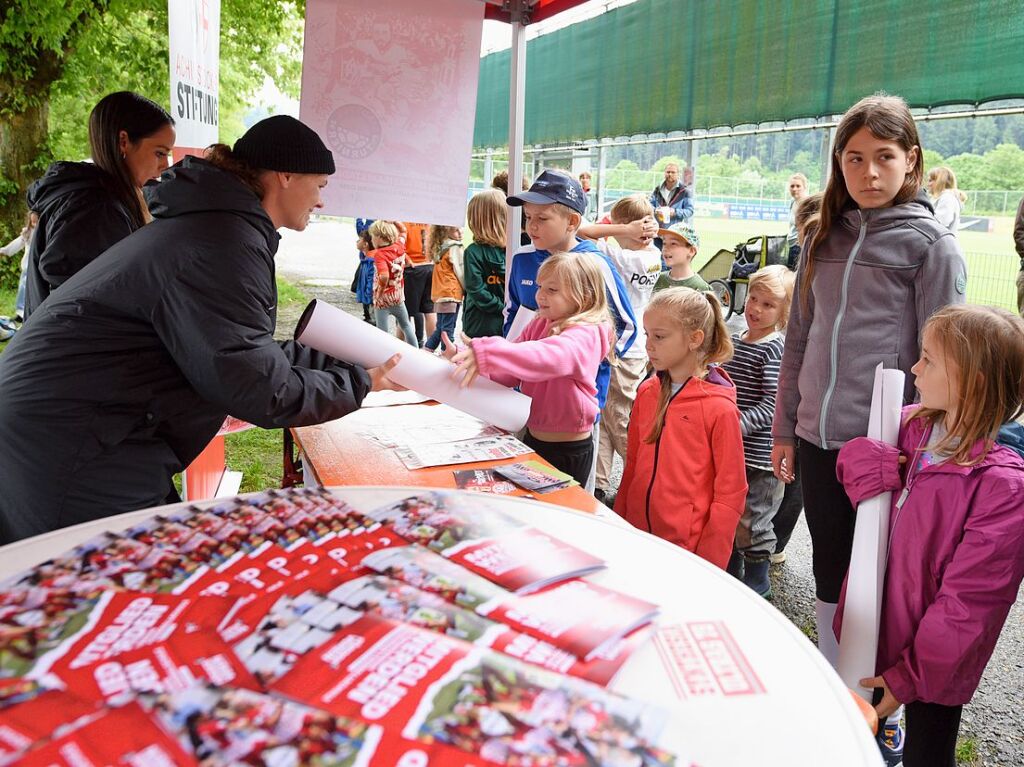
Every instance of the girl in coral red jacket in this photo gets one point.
(685, 479)
(554, 360)
(956, 528)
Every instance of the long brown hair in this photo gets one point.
(888, 118)
(139, 118)
(986, 345)
(693, 311)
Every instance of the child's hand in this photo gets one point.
(465, 365)
(644, 229)
(379, 376)
(448, 350)
(783, 460)
(888, 703)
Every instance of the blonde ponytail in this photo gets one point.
(694, 311)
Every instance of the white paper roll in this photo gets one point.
(858, 647)
(337, 333)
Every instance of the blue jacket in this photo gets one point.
(364, 281)
(522, 291)
(681, 203)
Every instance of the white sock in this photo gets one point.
(895, 716)
(824, 612)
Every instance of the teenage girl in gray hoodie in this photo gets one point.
(875, 266)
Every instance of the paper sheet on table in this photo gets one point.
(335, 332)
(388, 398)
(523, 318)
(468, 451)
(863, 605)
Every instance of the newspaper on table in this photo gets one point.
(467, 451)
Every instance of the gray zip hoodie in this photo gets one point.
(877, 277)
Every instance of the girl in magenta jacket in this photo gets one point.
(956, 529)
(554, 361)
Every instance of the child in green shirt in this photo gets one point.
(679, 248)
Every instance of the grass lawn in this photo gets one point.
(992, 263)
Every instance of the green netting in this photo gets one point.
(667, 65)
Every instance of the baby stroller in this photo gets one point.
(730, 286)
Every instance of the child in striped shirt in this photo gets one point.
(754, 370)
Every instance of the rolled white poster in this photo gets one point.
(337, 333)
(862, 609)
(523, 318)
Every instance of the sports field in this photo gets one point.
(992, 263)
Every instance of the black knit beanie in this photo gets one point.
(285, 144)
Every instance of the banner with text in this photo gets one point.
(391, 89)
(194, 28)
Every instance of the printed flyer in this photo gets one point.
(434, 689)
(514, 556)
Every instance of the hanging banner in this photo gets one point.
(390, 86)
(194, 29)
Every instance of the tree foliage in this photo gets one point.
(59, 57)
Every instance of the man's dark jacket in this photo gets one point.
(79, 218)
(122, 377)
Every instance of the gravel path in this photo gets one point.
(322, 260)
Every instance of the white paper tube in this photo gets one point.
(337, 333)
(523, 318)
(862, 609)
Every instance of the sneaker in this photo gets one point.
(777, 558)
(6, 334)
(602, 495)
(890, 738)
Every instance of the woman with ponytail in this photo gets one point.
(85, 207)
(684, 479)
(128, 370)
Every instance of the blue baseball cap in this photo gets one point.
(552, 186)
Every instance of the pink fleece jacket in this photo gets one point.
(557, 372)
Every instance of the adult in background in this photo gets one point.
(946, 198)
(1018, 242)
(20, 244)
(592, 211)
(85, 207)
(123, 375)
(671, 200)
(797, 190)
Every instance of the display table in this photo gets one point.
(335, 453)
(742, 684)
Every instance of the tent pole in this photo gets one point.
(518, 10)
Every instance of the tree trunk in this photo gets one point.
(23, 139)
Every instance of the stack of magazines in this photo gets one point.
(289, 628)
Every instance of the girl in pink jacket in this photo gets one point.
(554, 361)
(956, 528)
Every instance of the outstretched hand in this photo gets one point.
(448, 348)
(465, 364)
(379, 380)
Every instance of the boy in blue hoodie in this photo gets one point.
(553, 210)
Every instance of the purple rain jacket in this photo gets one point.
(956, 560)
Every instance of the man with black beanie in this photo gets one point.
(121, 377)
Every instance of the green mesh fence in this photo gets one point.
(665, 65)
